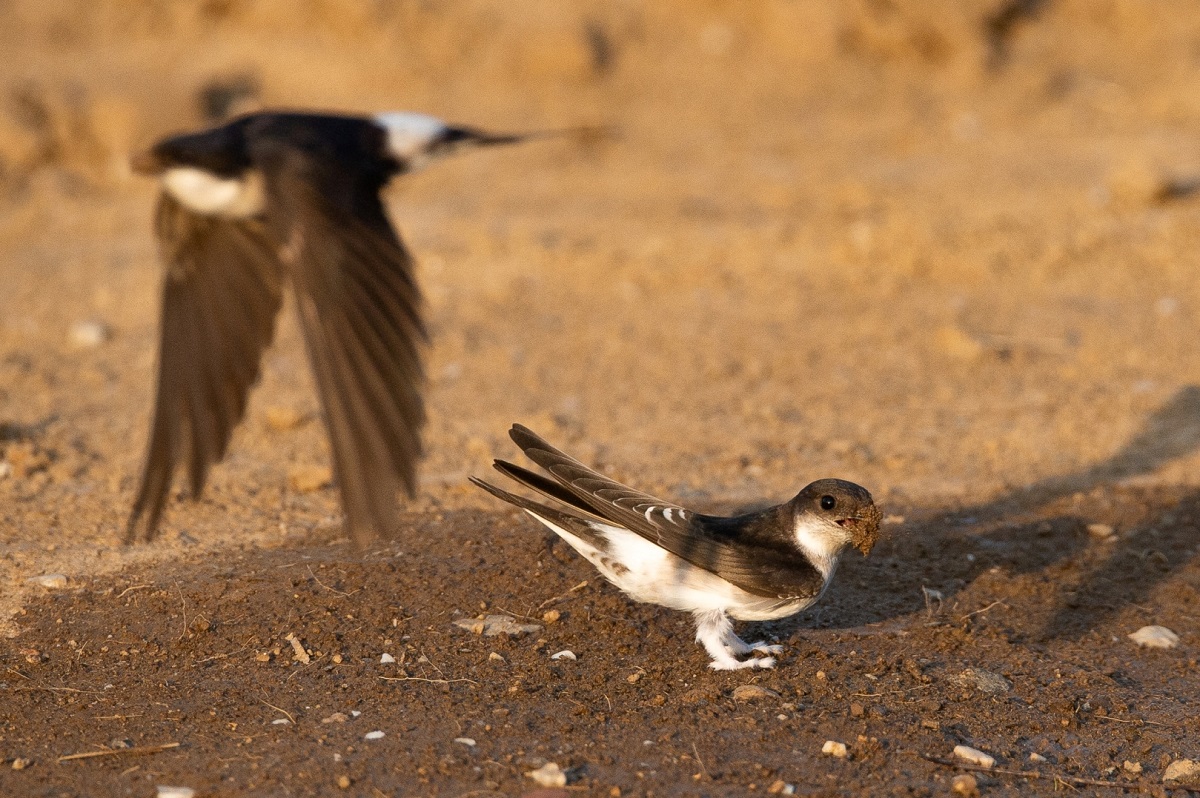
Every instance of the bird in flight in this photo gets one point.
(267, 199)
(760, 566)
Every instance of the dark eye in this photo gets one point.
(828, 502)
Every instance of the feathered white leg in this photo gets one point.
(713, 631)
(737, 645)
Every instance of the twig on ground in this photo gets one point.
(422, 679)
(145, 749)
(279, 709)
(1026, 774)
(556, 599)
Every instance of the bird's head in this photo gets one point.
(842, 513)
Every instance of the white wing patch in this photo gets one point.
(409, 134)
(667, 513)
(203, 192)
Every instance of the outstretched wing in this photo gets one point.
(360, 310)
(740, 550)
(221, 295)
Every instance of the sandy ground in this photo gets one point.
(945, 250)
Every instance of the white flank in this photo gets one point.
(204, 192)
(649, 573)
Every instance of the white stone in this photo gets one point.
(467, 741)
(974, 756)
(834, 748)
(1155, 637)
(549, 775)
(566, 653)
(386, 659)
(375, 735)
(1183, 773)
(1036, 757)
(88, 334)
(1100, 531)
(175, 792)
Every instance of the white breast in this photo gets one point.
(206, 193)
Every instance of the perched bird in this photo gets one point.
(275, 197)
(755, 567)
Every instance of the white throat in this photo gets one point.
(822, 543)
(409, 135)
(204, 192)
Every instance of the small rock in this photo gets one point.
(781, 787)
(974, 756)
(930, 723)
(386, 659)
(834, 748)
(494, 625)
(467, 741)
(336, 717)
(566, 653)
(494, 657)
(1036, 757)
(984, 681)
(375, 735)
(175, 792)
(1101, 531)
(1182, 773)
(20, 763)
(309, 478)
(857, 710)
(549, 775)
(965, 784)
(550, 616)
(88, 334)
(280, 722)
(299, 654)
(1155, 637)
(344, 782)
(1131, 767)
(752, 692)
(50, 581)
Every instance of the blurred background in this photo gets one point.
(944, 248)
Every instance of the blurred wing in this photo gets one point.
(360, 310)
(732, 548)
(221, 294)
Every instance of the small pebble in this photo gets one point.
(20, 763)
(1155, 637)
(1131, 767)
(50, 581)
(752, 692)
(984, 681)
(494, 657)
(780, 787)
(88, 334)
(386, 659)
(336, 717)
(834, 748)
(467, 741)
(566, 653)
(280, 722)
(344, 782)
(1036, 757)
(375, 735)
(965, 784)
(550, 616)
(175, 792)
(549, 775)
(974, 756)
(1182, 773)
(1100, 531)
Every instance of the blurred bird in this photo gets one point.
(271, 197)
(760, 566)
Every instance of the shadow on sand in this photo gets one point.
(1040, 527)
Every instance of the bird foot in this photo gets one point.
(732, 664)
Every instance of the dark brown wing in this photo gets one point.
(360, 310)
(747, 551)
(221, 294)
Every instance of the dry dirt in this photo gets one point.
(947, 250)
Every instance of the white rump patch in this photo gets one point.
(409, 134)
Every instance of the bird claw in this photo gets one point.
(766, 647)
